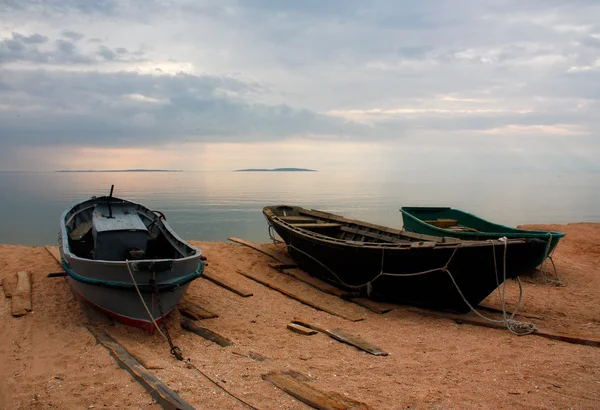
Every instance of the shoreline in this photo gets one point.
(48, 357)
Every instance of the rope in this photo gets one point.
(548, 255)
(188, 361)
(143, 301)
(517, 327)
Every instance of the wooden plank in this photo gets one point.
(297, 218)
(303, 330)
(588, 340)
(318, 225)
(374, 235)
(193, 310)
(8, 288)
(317, 283)
(57, 274)
(344, 337)
(305, 299)
(227, 284)
(281, 266)
(166, 397)
(374, 306)
(356, 341)
(205, 333)
(499, 310)
(282, 258)
(309, 395)
(21, 296)
(54, 252)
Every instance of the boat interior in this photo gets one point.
(349, 230)
(117, 230)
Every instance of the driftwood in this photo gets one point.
(344, 337)
(190, 326)
(303, 298)
(280, 257)
(21, 295)
(307, 394)
(589, 340)
(166, 397)
(233, 287)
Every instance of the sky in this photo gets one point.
(392, 85)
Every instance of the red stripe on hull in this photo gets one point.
(145, 325)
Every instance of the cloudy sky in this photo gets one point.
(332, 85)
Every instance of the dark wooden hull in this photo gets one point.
(471, 265)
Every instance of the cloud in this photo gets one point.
(113, 74)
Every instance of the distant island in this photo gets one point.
(120, 170)
(276, 170)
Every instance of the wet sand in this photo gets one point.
(48, 359)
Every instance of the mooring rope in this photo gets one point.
(188, 362)
(548, 255)
(517, 327)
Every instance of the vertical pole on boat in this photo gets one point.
(112, 188)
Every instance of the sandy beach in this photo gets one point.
(49, 359)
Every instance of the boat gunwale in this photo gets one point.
(66, 249)
(439, 244)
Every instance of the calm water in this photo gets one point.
(211, 206)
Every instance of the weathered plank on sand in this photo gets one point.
(189, 325)
(233, 287)
(280, 266)
(304, 298)
(374, 306)
(195, 311)
(262, 249)
(54, 252)
(344, 337)
(499, 310)
(166, 397)
(8, 288)
(303, 330)
(589, 340)
(21, 295)
(311, 396)
(317, 283)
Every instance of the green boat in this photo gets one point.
(444, 221)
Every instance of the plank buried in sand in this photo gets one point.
(233, 287)
(282, 258)
(190, 326)
(195, 311)
(588, 340)
(166, 397)
(21, 295)
(499, 310)
(311, 396)
(303, 298)
(374, 305)
(54, 252)
(344, 337)
(317, 283)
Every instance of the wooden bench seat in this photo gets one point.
(317, 225)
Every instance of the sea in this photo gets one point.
(215, 205)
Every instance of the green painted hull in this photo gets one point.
(415, 221)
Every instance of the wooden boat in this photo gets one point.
(444, 221)
(395, 265)
(109, 246)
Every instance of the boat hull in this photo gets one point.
(477, 269)
(113, 285)
(414, 221)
